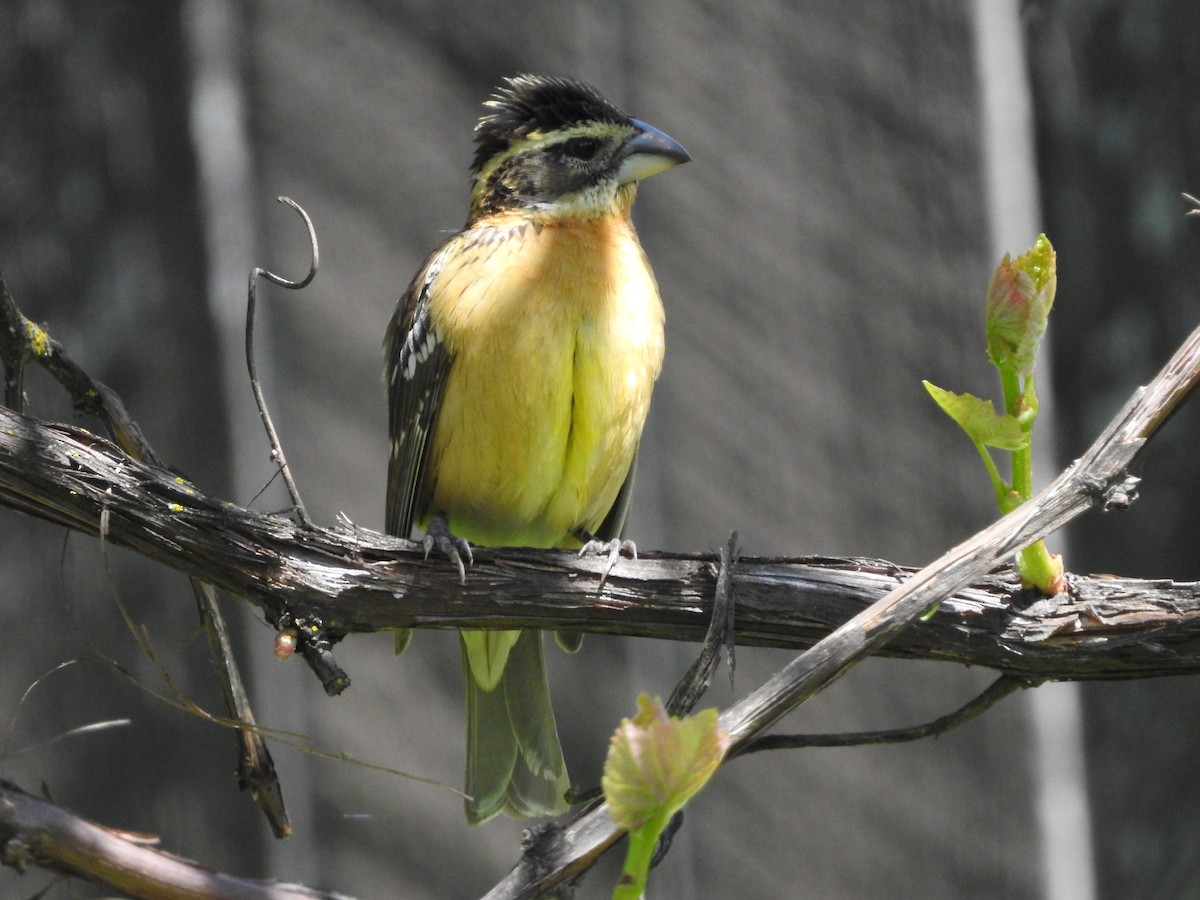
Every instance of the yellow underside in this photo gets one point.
(554, 360)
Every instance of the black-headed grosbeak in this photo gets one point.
(520, 364)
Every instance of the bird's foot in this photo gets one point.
(453, 548)
(612, 549)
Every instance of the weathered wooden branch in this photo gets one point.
(34, 832)
(355, 580)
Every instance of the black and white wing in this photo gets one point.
(417, 365)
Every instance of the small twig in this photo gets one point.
(256, 273)
(720, 634)
(993, 694)
(256, 768)
(316, 641)
(16, 349)
(23, 341)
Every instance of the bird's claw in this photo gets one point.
(450, 546)
(612, 549)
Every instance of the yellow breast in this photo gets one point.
(555, 333)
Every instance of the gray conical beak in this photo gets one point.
(649, 152)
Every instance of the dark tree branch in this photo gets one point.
(356, 580)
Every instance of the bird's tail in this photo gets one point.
(515, 763)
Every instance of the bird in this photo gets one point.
(520, 363)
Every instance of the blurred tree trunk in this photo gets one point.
(1119, 139)
(101, 228)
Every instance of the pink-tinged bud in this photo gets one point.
(1019, 298)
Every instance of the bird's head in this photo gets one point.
(559, 146)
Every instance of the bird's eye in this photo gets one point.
(581, 148)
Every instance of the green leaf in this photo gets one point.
(979, 419)
(656, 762)
(1019, 298)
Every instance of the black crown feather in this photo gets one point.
(528, 103)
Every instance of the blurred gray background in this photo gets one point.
(858, 169)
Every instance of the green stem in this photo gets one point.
(999, 486)
(1015, 405)
(1039, 569)
(638, 854)
(1022, 473)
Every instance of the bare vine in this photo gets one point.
(277, 455)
